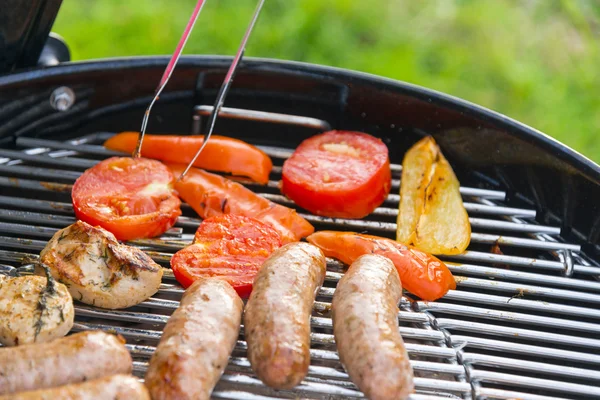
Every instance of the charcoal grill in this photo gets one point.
(524, 321)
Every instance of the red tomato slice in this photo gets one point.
(338, 174)
(132, 198)
(229, 247)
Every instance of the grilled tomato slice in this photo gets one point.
(132, 198)
(338, 174)
(229, 247)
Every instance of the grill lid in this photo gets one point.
(24, 30)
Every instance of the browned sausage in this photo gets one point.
(277, 317)
(196, 342)
(365, 327)
(72, 359)
(115, 387)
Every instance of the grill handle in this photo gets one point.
(253, 115)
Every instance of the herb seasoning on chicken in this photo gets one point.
(33, 309)
(98, 270)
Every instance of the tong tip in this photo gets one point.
(138, 147)
(167, 73)
(225, 86)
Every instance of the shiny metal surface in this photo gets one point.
(522, 324)
(225, 86)
(168, 72)
(254, 115)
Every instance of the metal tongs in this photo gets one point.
(222, 92)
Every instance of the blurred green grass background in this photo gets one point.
(537, 61)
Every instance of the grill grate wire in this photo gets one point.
(521, 324)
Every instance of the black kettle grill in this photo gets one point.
(524, 321)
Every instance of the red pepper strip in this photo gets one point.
(210, 195)
(221, 153)
(421, 273)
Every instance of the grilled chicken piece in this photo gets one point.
(98, 270)
(33, 309)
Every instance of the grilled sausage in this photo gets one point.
(196, 342)
(115, 387)
(365, 327)
(277, 317)
(72, 359)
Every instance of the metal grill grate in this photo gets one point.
(522, 323)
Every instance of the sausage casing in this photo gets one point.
(365, 326)
(196, 342)
(115, 387)
(277, 317)
(71, 359)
